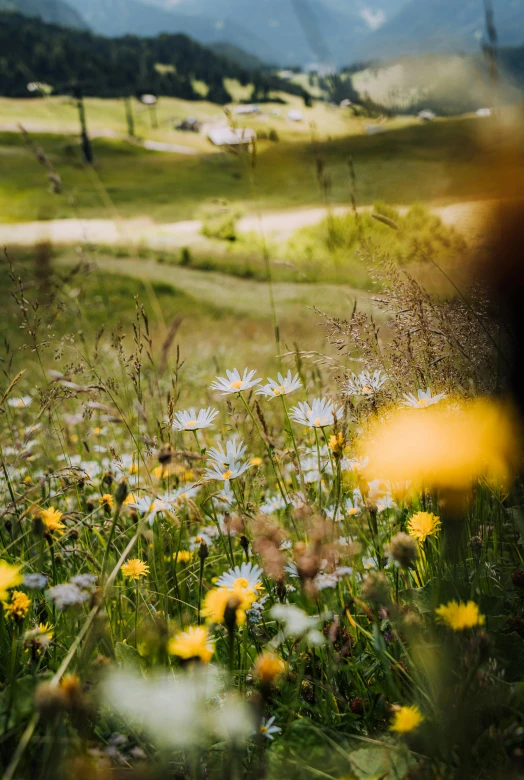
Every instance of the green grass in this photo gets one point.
(224, 320)
(448, 160)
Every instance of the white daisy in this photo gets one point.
(353, 506)
(234, 452)
(325, 580)
(149, 507)
(282, 386)
(232, 471)
(297, 623)
(268, 729)
(20, 403)
(176, 498)
(246, 576)
(321, 413)
(423, 399)
(234, 382)
(190, 420)
(354, 464)
(196, 541)
(272, 505)
(365, 383)
(225, 499)
(385, 502)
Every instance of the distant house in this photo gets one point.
(247, 109)
(484, 112)
(191, 124)
(231, 136)
(294, 116)
(427, 116)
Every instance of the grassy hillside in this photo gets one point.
(448, 160)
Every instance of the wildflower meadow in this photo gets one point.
(310, 568)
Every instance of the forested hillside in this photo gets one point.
(31, 50)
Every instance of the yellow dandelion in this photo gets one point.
(46, 630)
(459, 615)
(406, 719)
(51, 519)
(183, 556)
(107, 501)
(218, 600)
(134, 568)
(269, 667)
(422, 525)
(337, 443)
(18, 607)
(9, 577)
(192, 644)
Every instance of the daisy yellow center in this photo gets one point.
(226, 474)
(241, 582)
(353, 511)
(367, 389)
(279, 390)
(263, 730)
(191, 422)
(236, 385)
(423, 401)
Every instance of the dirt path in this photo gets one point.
(468, 218)
(235, 295)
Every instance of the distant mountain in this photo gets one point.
(53, 11)
(434, 26)
(115, 18)
(284, 32)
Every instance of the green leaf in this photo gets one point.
(128, 657)
(379, 761)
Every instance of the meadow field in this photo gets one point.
(260, 439)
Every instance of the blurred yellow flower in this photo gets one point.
(106, 501)
(193, 643)
(337, 443)
(217, 600)
(459, 615)
(18, 607)
(269, 667)
(422, 525)
(134, 568)
(182, 556)
(9, 577)
(51, 519)
(444, 448)
(130, 499)
(256, 461)
(406, 719)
